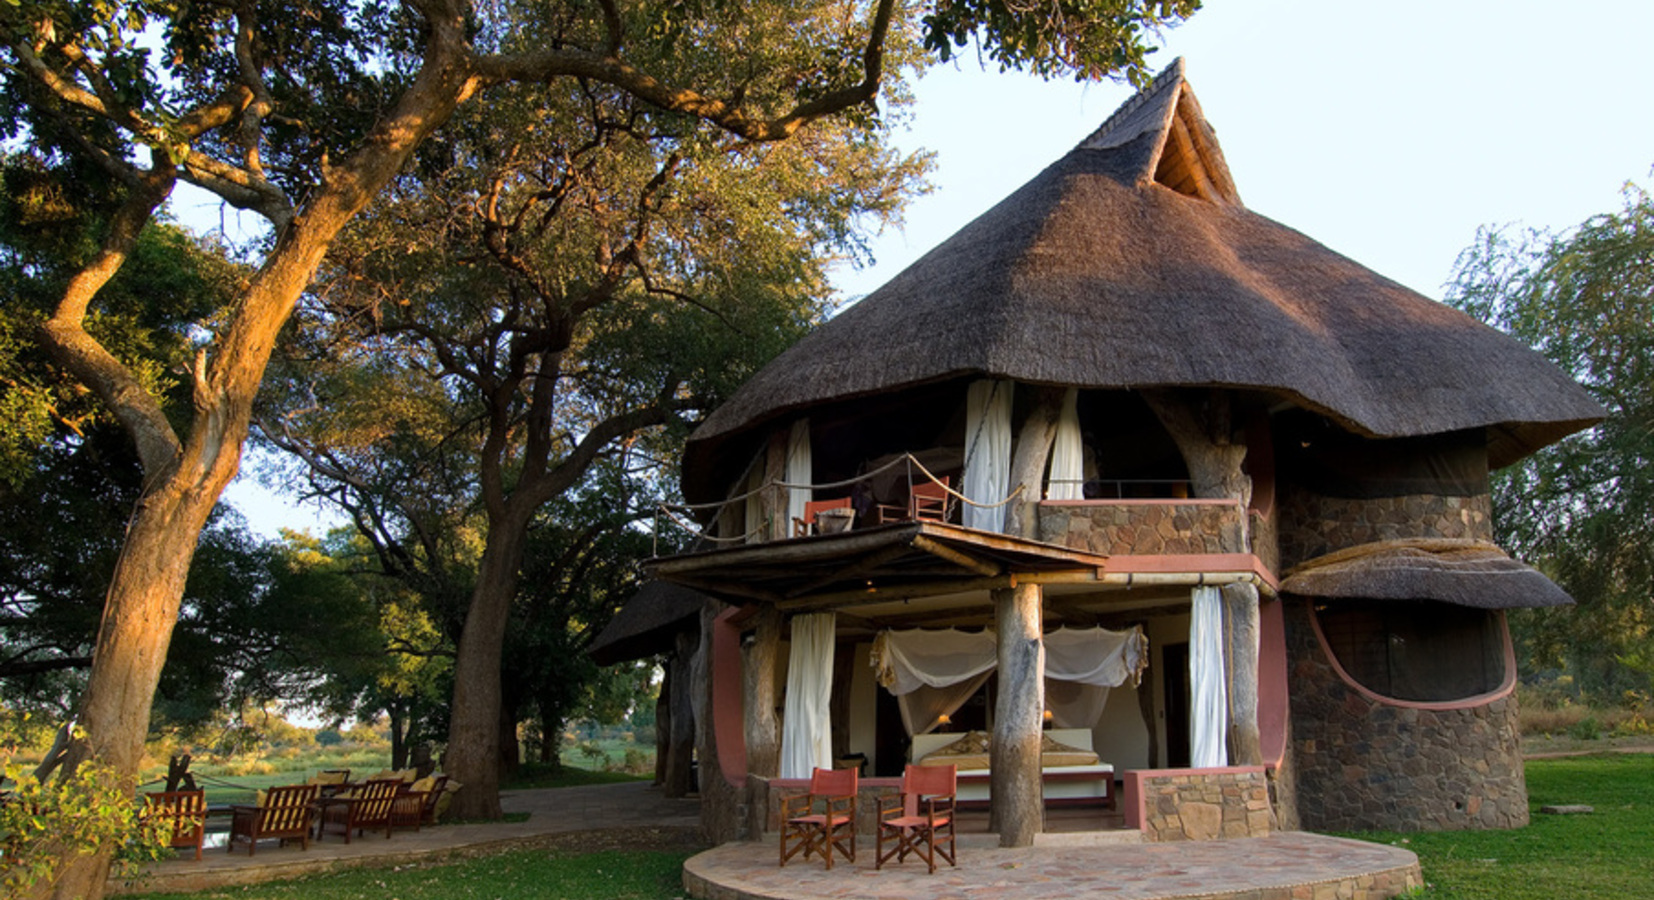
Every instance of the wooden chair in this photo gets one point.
(285, 814)
(805, 830)
(807, 525)
(185, 813)
(414, 808)
(921, 822)
(927, 500)
(368, 806)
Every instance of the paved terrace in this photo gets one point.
(1095, 865)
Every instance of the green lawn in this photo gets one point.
(1608, 854)
(520, 875)
(1602, 856)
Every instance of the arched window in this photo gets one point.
(1417, 651)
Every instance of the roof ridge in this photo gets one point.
(1172, 75)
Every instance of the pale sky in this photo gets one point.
(1389, 131)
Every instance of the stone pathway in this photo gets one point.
(554, 816)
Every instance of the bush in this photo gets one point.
(1586, 729)
(45, 823)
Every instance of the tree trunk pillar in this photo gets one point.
(1240, 620)
(762, 731)
(1018, 803)
(680, 754)
(1033, 449)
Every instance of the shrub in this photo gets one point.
(1586, 729)
(45, 823)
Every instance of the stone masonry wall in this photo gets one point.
(1312, 525)
(1183, 805)
(1143, 527)
(1364, 765)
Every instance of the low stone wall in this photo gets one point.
(1198, 804)
(1361, 764)
(1144, 527)
(1312, 525)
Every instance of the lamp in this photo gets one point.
(1047, 718)
(942, 723)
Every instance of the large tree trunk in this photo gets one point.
(762, 732)
(1028, 460)
(474, 722)
(680, 755)
(1241, 627)
(1018, 811)
(138, 616)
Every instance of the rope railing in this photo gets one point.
(671, 510)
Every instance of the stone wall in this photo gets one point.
(1144, 527)
(1361, 764)
(1312, 525)
(1198, 805)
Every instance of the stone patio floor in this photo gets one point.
(1284, 866)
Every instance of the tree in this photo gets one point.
(1583, 509)
(301, 111)
(528, 316)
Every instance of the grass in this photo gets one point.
(539, 775)
(1582, 857)
(520, 875)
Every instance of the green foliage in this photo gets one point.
(1600, 856)
(43, 824)
(1583, 509)
(1089, 38)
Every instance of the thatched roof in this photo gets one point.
(648, 623)
(1131, 263)
(1465, 573)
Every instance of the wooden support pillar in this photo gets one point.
(1028, 459)
(762, 731)
(775, 497)
(680, 775)
(1240, 627)
(1018, 804)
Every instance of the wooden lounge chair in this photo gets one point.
(921, 822)
(367, 806)
(186, 815)
(285, 815)
(417, 806)
(833, 828)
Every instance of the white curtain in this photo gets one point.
(1067, 481)
(987, 453)
(1209, 724)
(1088, 661)
(799, 471)
(806, 732)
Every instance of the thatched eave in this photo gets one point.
(1464, 573)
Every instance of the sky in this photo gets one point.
(1389, 131)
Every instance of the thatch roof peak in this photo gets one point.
(1130, 263)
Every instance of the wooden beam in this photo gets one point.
(962, 560)
(856, 568)
(840, 599)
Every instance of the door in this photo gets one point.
(1174, 676)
